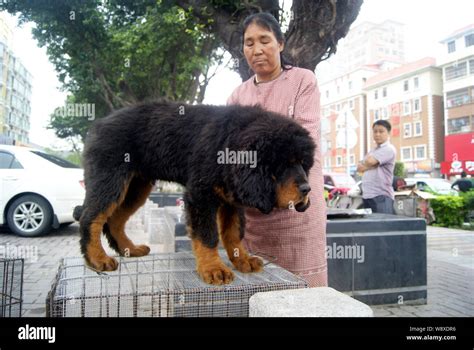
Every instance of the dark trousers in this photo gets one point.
(380, 204)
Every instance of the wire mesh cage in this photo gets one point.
(11, 287)
(158, 285)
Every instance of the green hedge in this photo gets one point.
(449, 211)
(468, 199)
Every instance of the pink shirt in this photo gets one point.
(296, 240)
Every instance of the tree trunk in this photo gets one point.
(313, 32)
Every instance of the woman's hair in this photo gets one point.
(267, 21)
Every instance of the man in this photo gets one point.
(377, 168)
(464, 184)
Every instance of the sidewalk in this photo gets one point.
(450, 277)
(450, 272)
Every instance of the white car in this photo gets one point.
(436, 185)
(38, 191)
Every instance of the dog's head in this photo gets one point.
(279, 178)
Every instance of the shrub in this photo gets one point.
(468, 199)
(449, 210)
(399, 169)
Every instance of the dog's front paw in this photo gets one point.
(248, 264)
(136, 251)
(102, 262)
(216, 274)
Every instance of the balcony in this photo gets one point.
(459, 101)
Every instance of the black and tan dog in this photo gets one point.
(127, 151)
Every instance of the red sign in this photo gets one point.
(459, 147)
(457, 167)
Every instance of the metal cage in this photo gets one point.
(11, 287)
(158, 285)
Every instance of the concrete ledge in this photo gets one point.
(308, 302)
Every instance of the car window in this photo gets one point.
(328, 181)
(421, 185)
(56, 160)
(8, 161)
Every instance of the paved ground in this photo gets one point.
(450, 277)
(450, 271)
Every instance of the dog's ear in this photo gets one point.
(254, 187)
(253, 183)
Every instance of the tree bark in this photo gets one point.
(313, 32)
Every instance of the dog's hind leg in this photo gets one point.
(231, 224)
(104, 195)
(137, 193)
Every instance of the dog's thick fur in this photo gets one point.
(127, 151)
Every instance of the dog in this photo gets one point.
(127, 151)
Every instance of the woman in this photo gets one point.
(297, 241)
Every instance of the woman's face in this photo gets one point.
(262, 50)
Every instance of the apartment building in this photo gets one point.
(381, 44)
(411, 98)
(343, 120)
(15, 92)
(457, 64)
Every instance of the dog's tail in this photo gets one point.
(76, 214)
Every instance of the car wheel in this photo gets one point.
(30, 216)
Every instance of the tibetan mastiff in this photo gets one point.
(228, 158)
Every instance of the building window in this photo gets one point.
(418, 129)
(416, 105)
(338, 160)
(451, 46)
(406, 108)
(328, 145)
(338, 107)
(416, 83)
(352, 159)
(376, 94)
(325, 126)
(384, 92)
(384, 112)
(420, 152)
(455, 71)
(406, 153)
(351, 104)
(469, 40)
(471, 66)
(350, 85)
(338, 90)
(327, 93)
(376, 116)
(459, 125)
(458, 98)
(327, 162)
(405, 85)
(406, 130)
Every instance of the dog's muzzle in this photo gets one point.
(301, 207)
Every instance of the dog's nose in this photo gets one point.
(304, 189)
